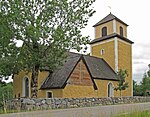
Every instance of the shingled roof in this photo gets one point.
(109, 37)
(108, 18)
(97, 68)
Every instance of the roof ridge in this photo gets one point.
(109, 17)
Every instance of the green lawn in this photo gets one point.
(136, 114)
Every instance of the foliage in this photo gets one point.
(122, 84)
(137, 89)
(6, 92)
(47, 29)
(142, 89)
(145, 84)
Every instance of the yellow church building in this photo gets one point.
(83, 75)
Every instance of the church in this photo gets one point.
(91, 75)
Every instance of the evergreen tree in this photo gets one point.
(47, 29)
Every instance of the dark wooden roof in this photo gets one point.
(97, 68)
(108, 18)
(109, 37)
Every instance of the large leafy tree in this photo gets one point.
(47, 29)
(122, 84)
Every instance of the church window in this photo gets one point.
(110, 90)
(102, 52)
(104, 31)
(49, 95)
(26, 87)
(121, 31)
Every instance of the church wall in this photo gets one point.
(56, 93)
(109, 51)
(118, 24)
(78, 91)
(98, 32)
(125, 62)
(18, 83)
(79, 84)
(103, 87)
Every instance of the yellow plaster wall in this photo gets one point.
(109, 52)
(57, 93)
(98, 29)
(18, 83)
(78, 91)
(125, 62)
(118, 24)
(103, 87)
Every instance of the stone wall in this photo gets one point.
(55, 103)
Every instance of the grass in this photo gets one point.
(136, 114)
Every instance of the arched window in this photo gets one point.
(102, 52)
(25, 87)
(110, 90)
(121, 31)
(104, 31)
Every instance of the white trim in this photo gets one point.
(112, 89)
(49, 92)
(90, 50)
(23, 85)
(116, 54)
(102, 51)
(114, 26)
(94, 32)
(99, 43)
(125, 42)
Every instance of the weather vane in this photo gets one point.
(109, 8)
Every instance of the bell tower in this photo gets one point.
(111, 44)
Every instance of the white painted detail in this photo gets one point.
(124, 42)
(116, 54)
(102, 51)
(114, 26)
(90, 50)
(110, 89)
(23, 85)
(99, 43)
(49, 92)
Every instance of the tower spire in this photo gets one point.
(109, 9)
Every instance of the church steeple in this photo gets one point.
(113, 25)
(111, 44)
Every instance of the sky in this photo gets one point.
(136, 14)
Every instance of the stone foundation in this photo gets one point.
(55, 103)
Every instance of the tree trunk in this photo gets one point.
(34, 82)
(120, 94)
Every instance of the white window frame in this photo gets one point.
(102, 51)
(49, 92)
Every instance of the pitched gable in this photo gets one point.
(92, 67)
(80, 75)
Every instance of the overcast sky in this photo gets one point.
(136, 14)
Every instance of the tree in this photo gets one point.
(47, 29)
(145, 84)
(122, 84)
(137, 89)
